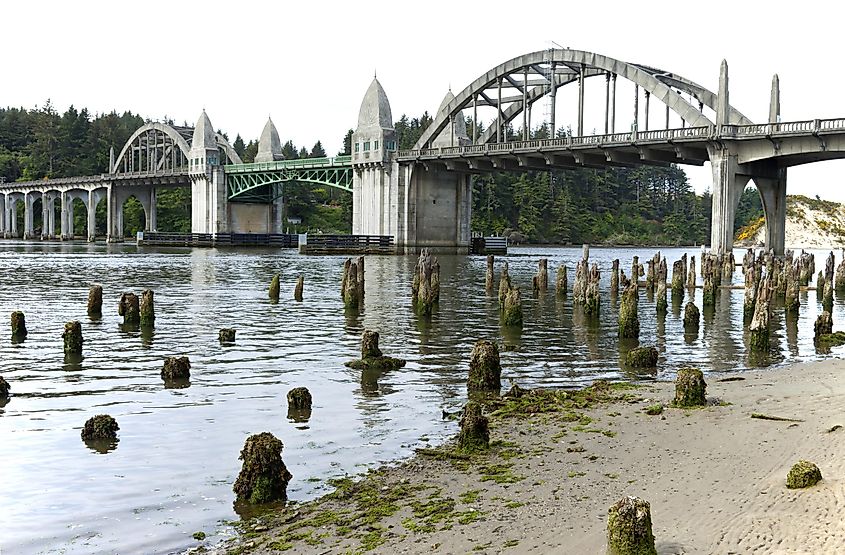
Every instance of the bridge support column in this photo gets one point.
(67, 217)
(46, 204)
(114, 233)
(4, 218)
(773, 196)
(151, 213)
(728, 185)
(277, 211)
(28, 224)
(209, 212)
(93, 199)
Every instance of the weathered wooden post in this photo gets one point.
(629, 321)
(827, 292)
(690, 388)
(371, 355)
(790, 275)
(660, 278)
(678, 278)
(691, 275)
(95, 301)
(512, 311)
(823, 325)
(561, 284)
(299, 398)
(614, 278)
(579, 287)
(692, 318)
(428, 272)
(629, 528)
(297, 290)
(759, 327)
(264, 476)
(176, 368)
(490, 275)
(504, 283)
(541, 280)
(750, 298)
(129, 308)
(591, 291)
(474, 434)
(72, 337)
(708, 275)
(100, 428)
(18, 325)
(273, 292)
(147, 308)
(839, 283)
(227, 335)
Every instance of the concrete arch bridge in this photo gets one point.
(422, 196)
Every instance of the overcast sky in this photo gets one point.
(308, 64)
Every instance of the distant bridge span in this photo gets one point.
(423, 196)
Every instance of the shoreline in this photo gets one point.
(714, 476)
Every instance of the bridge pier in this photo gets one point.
(4, 218)
(28, 217)
(94, 198)
(773, 196)
(728, 184)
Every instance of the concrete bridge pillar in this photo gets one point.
(94, 198)
(277, 212)
(114, 215)
(45, 216)
(4, 218)
(151, 211)
(728, 185)
(28, 216)
(67, 217)
(773, 196)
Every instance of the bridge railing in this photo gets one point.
(299, 163)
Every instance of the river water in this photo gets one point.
(172, 471)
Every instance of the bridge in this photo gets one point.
(422, 196)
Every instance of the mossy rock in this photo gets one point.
(176, 368)
(264, 477)
(642, 357)
(654, 410)
(629, 528)
(100, 427)
(299, 398)
(227, 335)
(4, 388)
(474, 434)
(690, 388)
(834, 339)
(485, 369)
(803, 474)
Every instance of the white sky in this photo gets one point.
(308, 64)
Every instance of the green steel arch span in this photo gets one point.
(257, 182)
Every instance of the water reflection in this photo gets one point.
(101, 446)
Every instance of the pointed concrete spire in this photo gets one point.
(454, 134)
(269, 145)
(204, 136)
(774, 101)
(722, 101)
(375, 108)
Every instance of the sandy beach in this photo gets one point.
(715, 478)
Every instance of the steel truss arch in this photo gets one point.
(158, 147)
(241, 184)
(663, 86)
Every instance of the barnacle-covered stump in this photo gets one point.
(512, 311)
(147, 308)
(823, 325)
(351, 289)
(95, 300)
(485, 369)
(759, 327)
(803, 474)
(299, 398)
(678, 278)
(264, 477)
(490, 276)
(541, 280)
(100, 427)
(691, 274)
(642, 357)
(692, 318)
(4, 388)
(690, 388)
(18, 325)
(371, 355)
(427, 283)
(72, 337)
(660, 279)
(591, 291)
(504, 284)
(474, 434)
(176, 368)
(629, 528)
(129, 308)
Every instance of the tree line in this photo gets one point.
(642, 205)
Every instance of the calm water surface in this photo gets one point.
(172, 470)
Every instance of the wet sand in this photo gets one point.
(715, 478)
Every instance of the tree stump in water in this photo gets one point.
(708, 271)
(823, 325)
(750, 297)
(485, 370)
(297, 290)
(678, 279)
(629, 320)
(691, 274)
(18, 325)
(100, 427)
(299, 398)
(692, 318)
(371, 355)
(541, 280)
(579, 286)
(474, 434)
(264, 476)
(561, 281)
(504, 284)
(95, 300)
(614, 277)
(176, 368)
(72, 337)
(273, 291)
(147, 308)
(629, 528)
(690, 388)
(227, 335)
(428, 278)
(512, 311)
(129, 308)
(353, 292)
(489, 277)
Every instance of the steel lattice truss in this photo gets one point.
(259, 182)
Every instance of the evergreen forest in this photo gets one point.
(622, 206)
